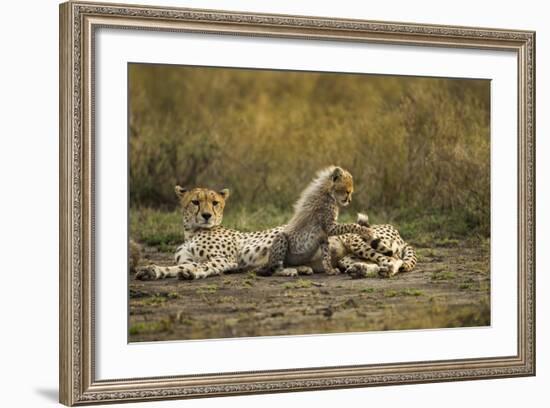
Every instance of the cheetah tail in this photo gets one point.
(363, 219)
(409, 258)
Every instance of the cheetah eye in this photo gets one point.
(195, 202)
(215, 203)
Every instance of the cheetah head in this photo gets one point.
(342, 186)
(201, 207)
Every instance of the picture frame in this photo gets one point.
(79, 23)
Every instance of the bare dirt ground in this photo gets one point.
(450, 287)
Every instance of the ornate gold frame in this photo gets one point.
(78, 22)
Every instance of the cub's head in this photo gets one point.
(201, 207)
(342, 186)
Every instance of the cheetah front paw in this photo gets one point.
(148, 272)
(362, 270)
(390, 268)
(332, 271)
(387, 270)
(288, 272)
(305, 270)
(188, 272)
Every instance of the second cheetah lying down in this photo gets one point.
(360, 260)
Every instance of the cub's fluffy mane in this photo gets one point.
(318, 186)
(310, 198)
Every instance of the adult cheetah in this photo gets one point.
(209, 248)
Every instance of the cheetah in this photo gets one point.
(315, 221)
(209, 248)
(353, 263)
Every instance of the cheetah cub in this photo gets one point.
(314, 221)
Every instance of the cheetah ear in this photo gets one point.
(224, 193)
(180, 191)
(337, 173)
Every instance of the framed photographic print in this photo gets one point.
(258, 203)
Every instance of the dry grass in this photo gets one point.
(413, 144)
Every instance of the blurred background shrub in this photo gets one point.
(417, 147)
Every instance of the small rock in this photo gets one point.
(350, 303)
(136, 294)
(327, 311)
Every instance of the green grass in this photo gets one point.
(390, 293)
(207, 289)
(162, 325)
(442, 276)
(432, 228)
(248, 283)
(158, 299)
(439, 314)
(298, 284)
(411, 292)
(368, 290)
(163, 229)
(244, 219)
(155, 300)
(155, 227)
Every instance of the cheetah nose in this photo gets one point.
(206, 216)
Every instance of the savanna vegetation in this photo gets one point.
(419, 151)
(419, 148)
